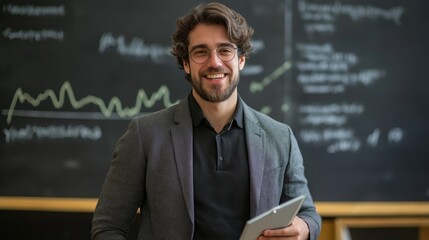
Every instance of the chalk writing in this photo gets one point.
(31, 132)
(395, 135)
(321, 17)
(373, 138)
(322, 70)
(33, 35)
(33, 10)
(135, 47)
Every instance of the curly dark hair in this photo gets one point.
(239, 32)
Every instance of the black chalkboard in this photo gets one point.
(348, 76)
(359, 91)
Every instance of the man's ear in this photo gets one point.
(186, 67)
(241, 62)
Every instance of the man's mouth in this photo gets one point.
(215, 76)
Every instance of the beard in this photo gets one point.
(216, 93)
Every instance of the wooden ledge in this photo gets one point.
(48, 204)
(326, 209)
(337, 209)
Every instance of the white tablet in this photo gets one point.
(277, 217)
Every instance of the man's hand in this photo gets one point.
(298, 230)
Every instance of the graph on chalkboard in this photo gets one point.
(66, 93)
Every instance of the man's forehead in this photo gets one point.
(207, 34)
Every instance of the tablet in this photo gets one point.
(277, 217)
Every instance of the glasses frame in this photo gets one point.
(210, 52)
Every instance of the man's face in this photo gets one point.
(214, 80)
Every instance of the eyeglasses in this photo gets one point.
(201, 55)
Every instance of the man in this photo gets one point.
(201, 168)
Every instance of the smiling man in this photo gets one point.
(214, 72)
(201, 168)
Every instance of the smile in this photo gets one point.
(215, 76)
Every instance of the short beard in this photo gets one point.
(215, 95)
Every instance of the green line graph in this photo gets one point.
(259, 86)
(114, 105)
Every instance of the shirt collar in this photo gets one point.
(198, 116)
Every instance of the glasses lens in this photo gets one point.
(200, 55)
(225, 53)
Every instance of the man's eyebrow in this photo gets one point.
(226, 44)
(198, 46)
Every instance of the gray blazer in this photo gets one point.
(152, 170)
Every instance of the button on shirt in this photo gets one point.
(221, 176)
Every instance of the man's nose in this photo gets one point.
(214, 60)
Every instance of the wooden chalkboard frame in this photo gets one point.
(325, 209)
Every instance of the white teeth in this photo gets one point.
(220, 75)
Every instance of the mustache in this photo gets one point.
(215, 70)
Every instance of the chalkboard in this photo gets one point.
(360, 93)
(348, 76)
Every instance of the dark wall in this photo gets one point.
(20, 225)
(350, 77)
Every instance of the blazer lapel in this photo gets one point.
(255, 138)
(181, 134)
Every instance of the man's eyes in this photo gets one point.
(225, 50)
(200, 51)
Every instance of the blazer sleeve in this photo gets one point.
(123, 188)
(296, 184)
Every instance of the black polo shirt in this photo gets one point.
(221, 176)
